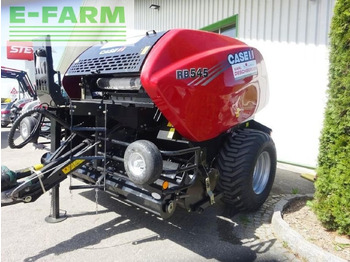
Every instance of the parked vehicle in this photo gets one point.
(24, 83)
(6, 114)
(12, 110)
(16, 109)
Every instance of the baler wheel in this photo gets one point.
(247, 165)
(143, 162)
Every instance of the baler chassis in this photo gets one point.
(83, 154)
(114, 133)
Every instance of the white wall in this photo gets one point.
(292, 35)
(291, 21)
(298, 77)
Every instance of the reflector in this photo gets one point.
(165, 185)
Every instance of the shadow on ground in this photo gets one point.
(4, 136)
(210, 235)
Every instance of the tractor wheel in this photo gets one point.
(247, 165)
(26, 126)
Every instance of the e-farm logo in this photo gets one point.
(68, 24)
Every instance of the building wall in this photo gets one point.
(292, 21)
(293, 38)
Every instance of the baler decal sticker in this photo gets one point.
(244, 69)
(112, 50)
(144, 50)
(192, 73)
(217, 68)
(243, 64)
(221, 69)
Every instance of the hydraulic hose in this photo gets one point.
(35, 132)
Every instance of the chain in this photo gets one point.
(98, 183)
(70, 185)
(96, 199)
(105, 150)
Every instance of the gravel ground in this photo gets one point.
(300, 217)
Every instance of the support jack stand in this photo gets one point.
(56, 216)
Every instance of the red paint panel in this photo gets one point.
(204, 83)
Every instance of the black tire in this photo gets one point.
(4, 125)
(248, 153)
(152, 160)
(26, 126)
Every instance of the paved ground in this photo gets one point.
(120, 232)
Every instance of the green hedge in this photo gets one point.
(332, 197)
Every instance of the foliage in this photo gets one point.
(332, 197)
(295, 191)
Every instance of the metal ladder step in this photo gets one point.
(99, 130)
(86, 187)
(89, 157)
(89, 129)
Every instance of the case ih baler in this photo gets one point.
(163, 122)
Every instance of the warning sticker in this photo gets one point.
(72, 166)
(14, 91)
(245, 69)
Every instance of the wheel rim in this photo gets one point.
(261, 172)
(24, 131)
(136, 164)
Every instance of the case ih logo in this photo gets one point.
(20, 50)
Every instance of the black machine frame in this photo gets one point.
(82, 151)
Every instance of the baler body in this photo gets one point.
(203, 83)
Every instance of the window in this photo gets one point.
(227, 26)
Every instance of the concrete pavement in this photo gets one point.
(120, 232)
